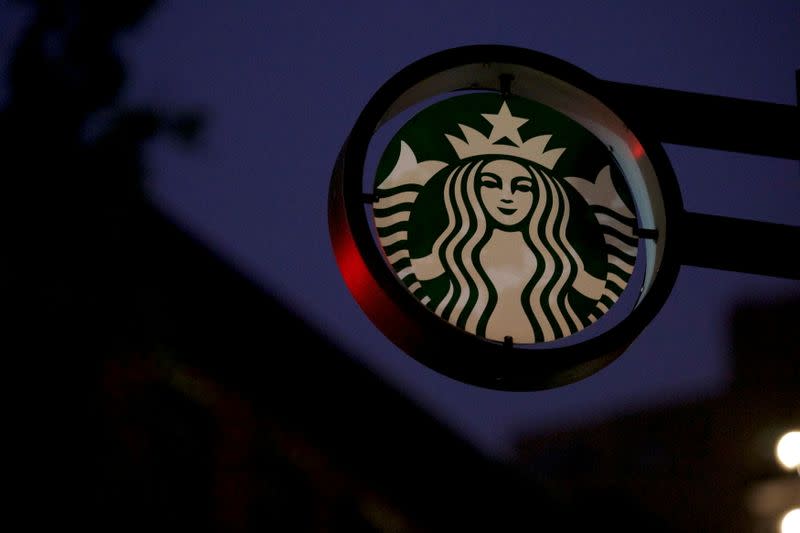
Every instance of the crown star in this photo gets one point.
(504, 124)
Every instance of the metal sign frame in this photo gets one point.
(614, 114)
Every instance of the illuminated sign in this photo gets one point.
(514, 232)
(496, 230)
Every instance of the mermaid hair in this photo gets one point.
(471, 297)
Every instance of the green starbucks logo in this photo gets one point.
(495, 230)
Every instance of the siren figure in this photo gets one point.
(510, 267)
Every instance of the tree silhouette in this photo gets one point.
(75, 229)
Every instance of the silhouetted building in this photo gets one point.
(703, 466)
(238, 416)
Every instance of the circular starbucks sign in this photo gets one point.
(500, 228)
(512, 236)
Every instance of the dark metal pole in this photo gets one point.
(738, 245)
(734, 124)
(709, 121)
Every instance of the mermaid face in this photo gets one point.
(505, 190)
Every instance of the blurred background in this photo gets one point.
(166, 168)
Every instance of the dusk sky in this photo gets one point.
(282, 83)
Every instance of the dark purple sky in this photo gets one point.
(282, 83)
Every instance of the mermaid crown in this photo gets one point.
(504, 126)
